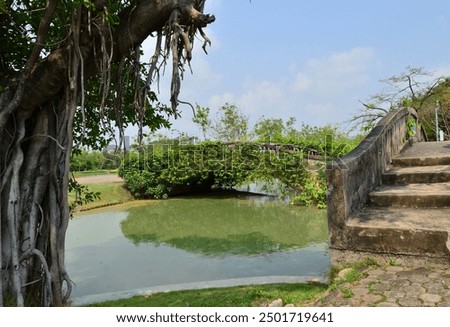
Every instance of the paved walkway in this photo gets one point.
(99, 179)
(391, 286)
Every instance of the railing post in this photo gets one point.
(436, 109)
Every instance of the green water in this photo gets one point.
(209, 239)
(223, 225)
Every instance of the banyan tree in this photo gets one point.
(69, 71)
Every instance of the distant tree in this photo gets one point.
(274, 130)
(231, 124)
(439, 100)
(412, 88)
(202, 120)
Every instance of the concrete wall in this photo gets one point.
(351, 178)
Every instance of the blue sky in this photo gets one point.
(312, 60)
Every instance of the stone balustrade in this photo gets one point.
(351, 178)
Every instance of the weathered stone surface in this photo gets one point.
(396, 227)
(276, 303)
(395, 294)
(341, 275)
(415, 288)
(431, 298)
(390, 288)
(351, 178)
(360, 291)
(410, 302)
(434, 287)
(394, 269)
(381, 287)
(387, 304)
(376, 273)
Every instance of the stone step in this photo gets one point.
(412, 195)
(420, 161)
(415, 175)
(424, 154)
(409, 231)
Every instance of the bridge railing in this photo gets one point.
(351, 178)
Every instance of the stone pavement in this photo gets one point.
(391, 286)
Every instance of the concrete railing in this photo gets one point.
(351, 178)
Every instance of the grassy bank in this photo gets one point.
(110, 194)
(300, 295)
(94, 173)
(243, 296)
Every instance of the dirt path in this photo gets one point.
(99, 179)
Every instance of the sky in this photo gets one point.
(312, 60)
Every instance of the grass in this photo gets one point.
(356, 271)
(243, 296)
(110, 194)
(94, 173)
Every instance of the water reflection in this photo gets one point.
(226, 225)
(192, 240)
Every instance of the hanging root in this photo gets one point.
(180, 33)
(206, 40)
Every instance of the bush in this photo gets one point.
(170, 168)
(83, 160)
(174, 170)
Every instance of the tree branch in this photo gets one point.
(137, 22)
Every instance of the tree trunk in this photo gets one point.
(36, 121)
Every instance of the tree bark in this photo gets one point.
(36, 122)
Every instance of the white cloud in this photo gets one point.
(262, 95)
(336, 73)
(322, 90)
(217, 101)
(302, 83)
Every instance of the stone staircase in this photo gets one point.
(409, 214)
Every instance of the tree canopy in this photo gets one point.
(415, 88)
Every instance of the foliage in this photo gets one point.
(415, 88)
(105, 110)
(160, 171)
(230, 124)
(438, 100)
(242, 296)
(84, 160)
(202, 119)
(274, 130)
(81, 195)
(296, 163)
(106, 194)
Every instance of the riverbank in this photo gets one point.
(364, 284)
(107, 184)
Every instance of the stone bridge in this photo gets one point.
(390, 197)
